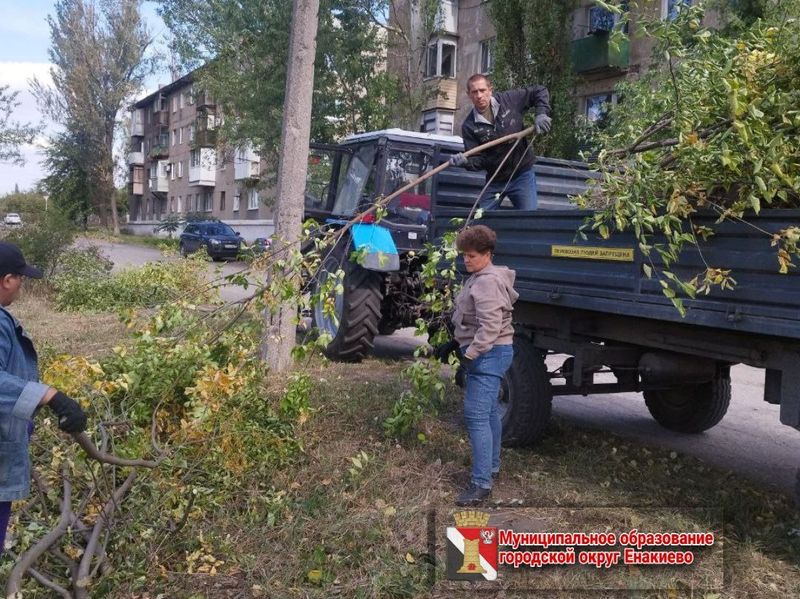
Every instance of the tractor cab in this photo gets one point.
(346, 179)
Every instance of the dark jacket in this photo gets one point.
(508, 108)
(20, 393)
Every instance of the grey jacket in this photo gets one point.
(20, 394)
(482, 316)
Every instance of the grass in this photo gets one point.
(329, 527)
(143, 240)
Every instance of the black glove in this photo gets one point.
(459, 159)
(542, 123)
(71, 417)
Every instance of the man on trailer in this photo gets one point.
(494, 116)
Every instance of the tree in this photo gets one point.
(279, 335)
(243, 45)
(714, 126)
(13, 134)
(533, 46)
(98, 50)
(67, 184)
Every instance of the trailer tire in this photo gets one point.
(692, 408)
(358, 310)
(526, 397)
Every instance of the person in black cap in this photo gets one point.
(21, 393)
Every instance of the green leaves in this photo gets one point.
(716, 129)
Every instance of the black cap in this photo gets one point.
(12, 262)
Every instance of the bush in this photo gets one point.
(84, 282)
(43, 240)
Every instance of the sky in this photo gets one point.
(24, 42)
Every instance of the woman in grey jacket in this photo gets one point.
(482, 328)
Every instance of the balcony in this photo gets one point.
(203, 167)
(246, 165)
(205, 138)
(204, 100)
(137, 122)
(136, 157)
(594, 55)
(205, 130)
(161, 118)
(160, 151)
(160, 182)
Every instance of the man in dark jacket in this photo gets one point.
(496, 115)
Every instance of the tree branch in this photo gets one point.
(103, 519)
(27, 559)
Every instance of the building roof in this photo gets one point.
(403, 135)
(166, 89)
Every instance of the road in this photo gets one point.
(749, 441)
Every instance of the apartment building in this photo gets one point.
(176, 167)
(465, 40)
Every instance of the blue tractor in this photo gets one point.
(381, 291)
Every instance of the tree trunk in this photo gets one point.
(279, 334)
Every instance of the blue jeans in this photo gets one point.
(481, 411)
(521, 190)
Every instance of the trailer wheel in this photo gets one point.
(526, 396)
(691, 408)
(358, 309)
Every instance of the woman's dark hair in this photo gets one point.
(478, 238)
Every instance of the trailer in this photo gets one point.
(591, 301)
(588, 300)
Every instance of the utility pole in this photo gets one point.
(279, 332)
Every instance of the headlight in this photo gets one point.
(215, 241)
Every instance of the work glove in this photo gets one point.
(459, 159)
(542, 123)
(71, 417)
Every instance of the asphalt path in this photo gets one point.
(750, 440)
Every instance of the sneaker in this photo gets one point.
(473, 495)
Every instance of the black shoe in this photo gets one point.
(473, 495)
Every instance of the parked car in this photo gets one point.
(219, 239)
(260, 245)
(12, 218)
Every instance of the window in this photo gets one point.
(194, 157)
(197, 202)
(252, 199)
(174, 136)
(180, 203)
(603, 21)
(237, 197)
(180, 100)
(359, 181)
(180, 169)
(487, 55)
(172, 204)
(163, 169)
(190, 95)
(221, 201)
(441, 59)
(191, 133)
(208, 204)
(172, 171)
(671, 8)
(180, 135)
(597, 106)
